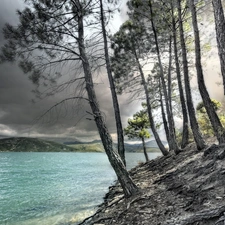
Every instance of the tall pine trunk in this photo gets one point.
(185, 133)
(213, 117)
(125, 180)
(193, 121)
(173, 142)
(169, 85)
(164, 119)
(120, 137)
(220, 35)
(165, 124)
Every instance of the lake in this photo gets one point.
(54, 188)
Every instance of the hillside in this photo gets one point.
(151, 146)
(183, 189)
(96, 146)
(22, 144)
(87, 147)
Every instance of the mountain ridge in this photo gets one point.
(129, 147)
(28, 144)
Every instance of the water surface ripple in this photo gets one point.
(54, 188)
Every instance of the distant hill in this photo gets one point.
(4, 136)
(80, 142)
(23, 144)
(96, 146)
(139, 148)
(60, 140)
(87, 147)
(153, 144)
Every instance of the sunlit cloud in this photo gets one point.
(7, 131)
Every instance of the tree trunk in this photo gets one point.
(144, 148)
(193, 121)
(149, 108)
(165, 124)
(120, 137)
(125, 180)
(220, 35)
(173, 142)
(170, 86)
(185, 133)
(214, 119)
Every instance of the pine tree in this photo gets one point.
(214, 119)
(138, 128)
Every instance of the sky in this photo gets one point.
(19, 114)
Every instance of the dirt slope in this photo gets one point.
(183, 189)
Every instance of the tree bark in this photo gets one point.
(173, 142)
(169, 85)
(125, 180)
(193, 121)
(220, 35)
(185, 133)
(165, 124)
(144, 148)
(213, 117)
(120, 137)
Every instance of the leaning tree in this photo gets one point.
(120, 137)
(213, 117)
(190, 105)
(51, 34)
(220, 34)
(131, 45)
(153, 19)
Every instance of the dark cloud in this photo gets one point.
(8, 13)
(20, 117)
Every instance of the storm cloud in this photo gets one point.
(20, 116)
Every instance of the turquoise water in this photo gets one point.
(54, 188)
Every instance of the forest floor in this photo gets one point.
(188, 188)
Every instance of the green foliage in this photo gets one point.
(130, 37)
(138, 126)
(179, 136)
(206, 47)
(201, 108)
(94, 147)
(203, 119)
(129, 43)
